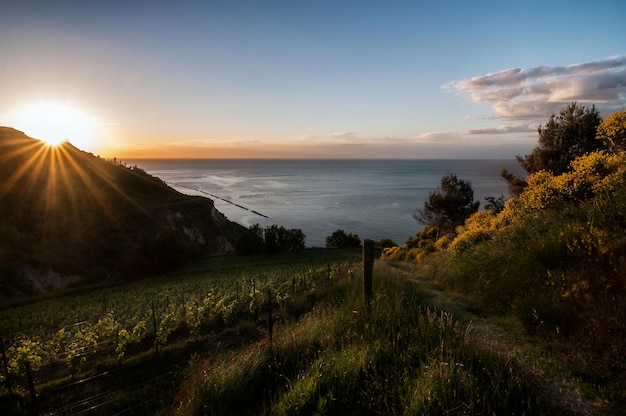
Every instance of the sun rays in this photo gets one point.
(70, 190)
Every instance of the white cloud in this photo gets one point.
(344, 136)
(435, 137)
(536, 93)
(504, 129)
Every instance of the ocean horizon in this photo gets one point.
(374, 198)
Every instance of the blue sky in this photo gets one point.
(401, 79)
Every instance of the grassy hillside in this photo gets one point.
(414, 351)
(555, 259)
(67, 215)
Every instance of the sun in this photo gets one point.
(57, 122)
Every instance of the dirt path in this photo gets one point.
(565, 393)
(511, 343)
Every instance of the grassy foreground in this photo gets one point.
(401, 355)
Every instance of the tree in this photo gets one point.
(295, 240)
(274, 235)
(515, 183)
(495, 204)
(448, 207)
(251, 242)
(612, 131)
(272, 239)
(386, 243)
(339, 239)
(564, 138)
(281, 240)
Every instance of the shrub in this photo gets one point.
(555, 257)
(272, 239)
(339, 239)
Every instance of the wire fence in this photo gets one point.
(93, 379)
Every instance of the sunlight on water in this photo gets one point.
(374, 199)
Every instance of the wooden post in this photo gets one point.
(269, 312)
(368, 265)
(31, 389)
(256, 315)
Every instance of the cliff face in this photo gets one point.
(69, 217)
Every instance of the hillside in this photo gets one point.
(69, 217)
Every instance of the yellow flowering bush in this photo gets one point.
(555, 255)
(585, 239)
(591, 176)
(415, 249)
(484, 225)
(612, 131)
(540, 193)
(444, 242)
(390, 252)
(479, 227)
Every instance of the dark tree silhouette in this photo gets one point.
(495, 204)
(339, 239)
(272, 239)
(448, 207)
(515, 183)
(564, 138)
(251, 242)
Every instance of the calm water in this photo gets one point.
(372, 198)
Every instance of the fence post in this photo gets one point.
(256, 315)
(31, 389)
(269, 312)
(368, 265)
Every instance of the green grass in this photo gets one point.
(415, 350)
(396, 357)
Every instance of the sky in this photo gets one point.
(306, 79)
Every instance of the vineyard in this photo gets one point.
(53, 350)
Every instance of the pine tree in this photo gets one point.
(449, 206)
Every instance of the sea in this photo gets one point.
(374, 199)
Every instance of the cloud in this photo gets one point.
(535, 93)
(504, 129)
(435, 137)
(346, 135)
